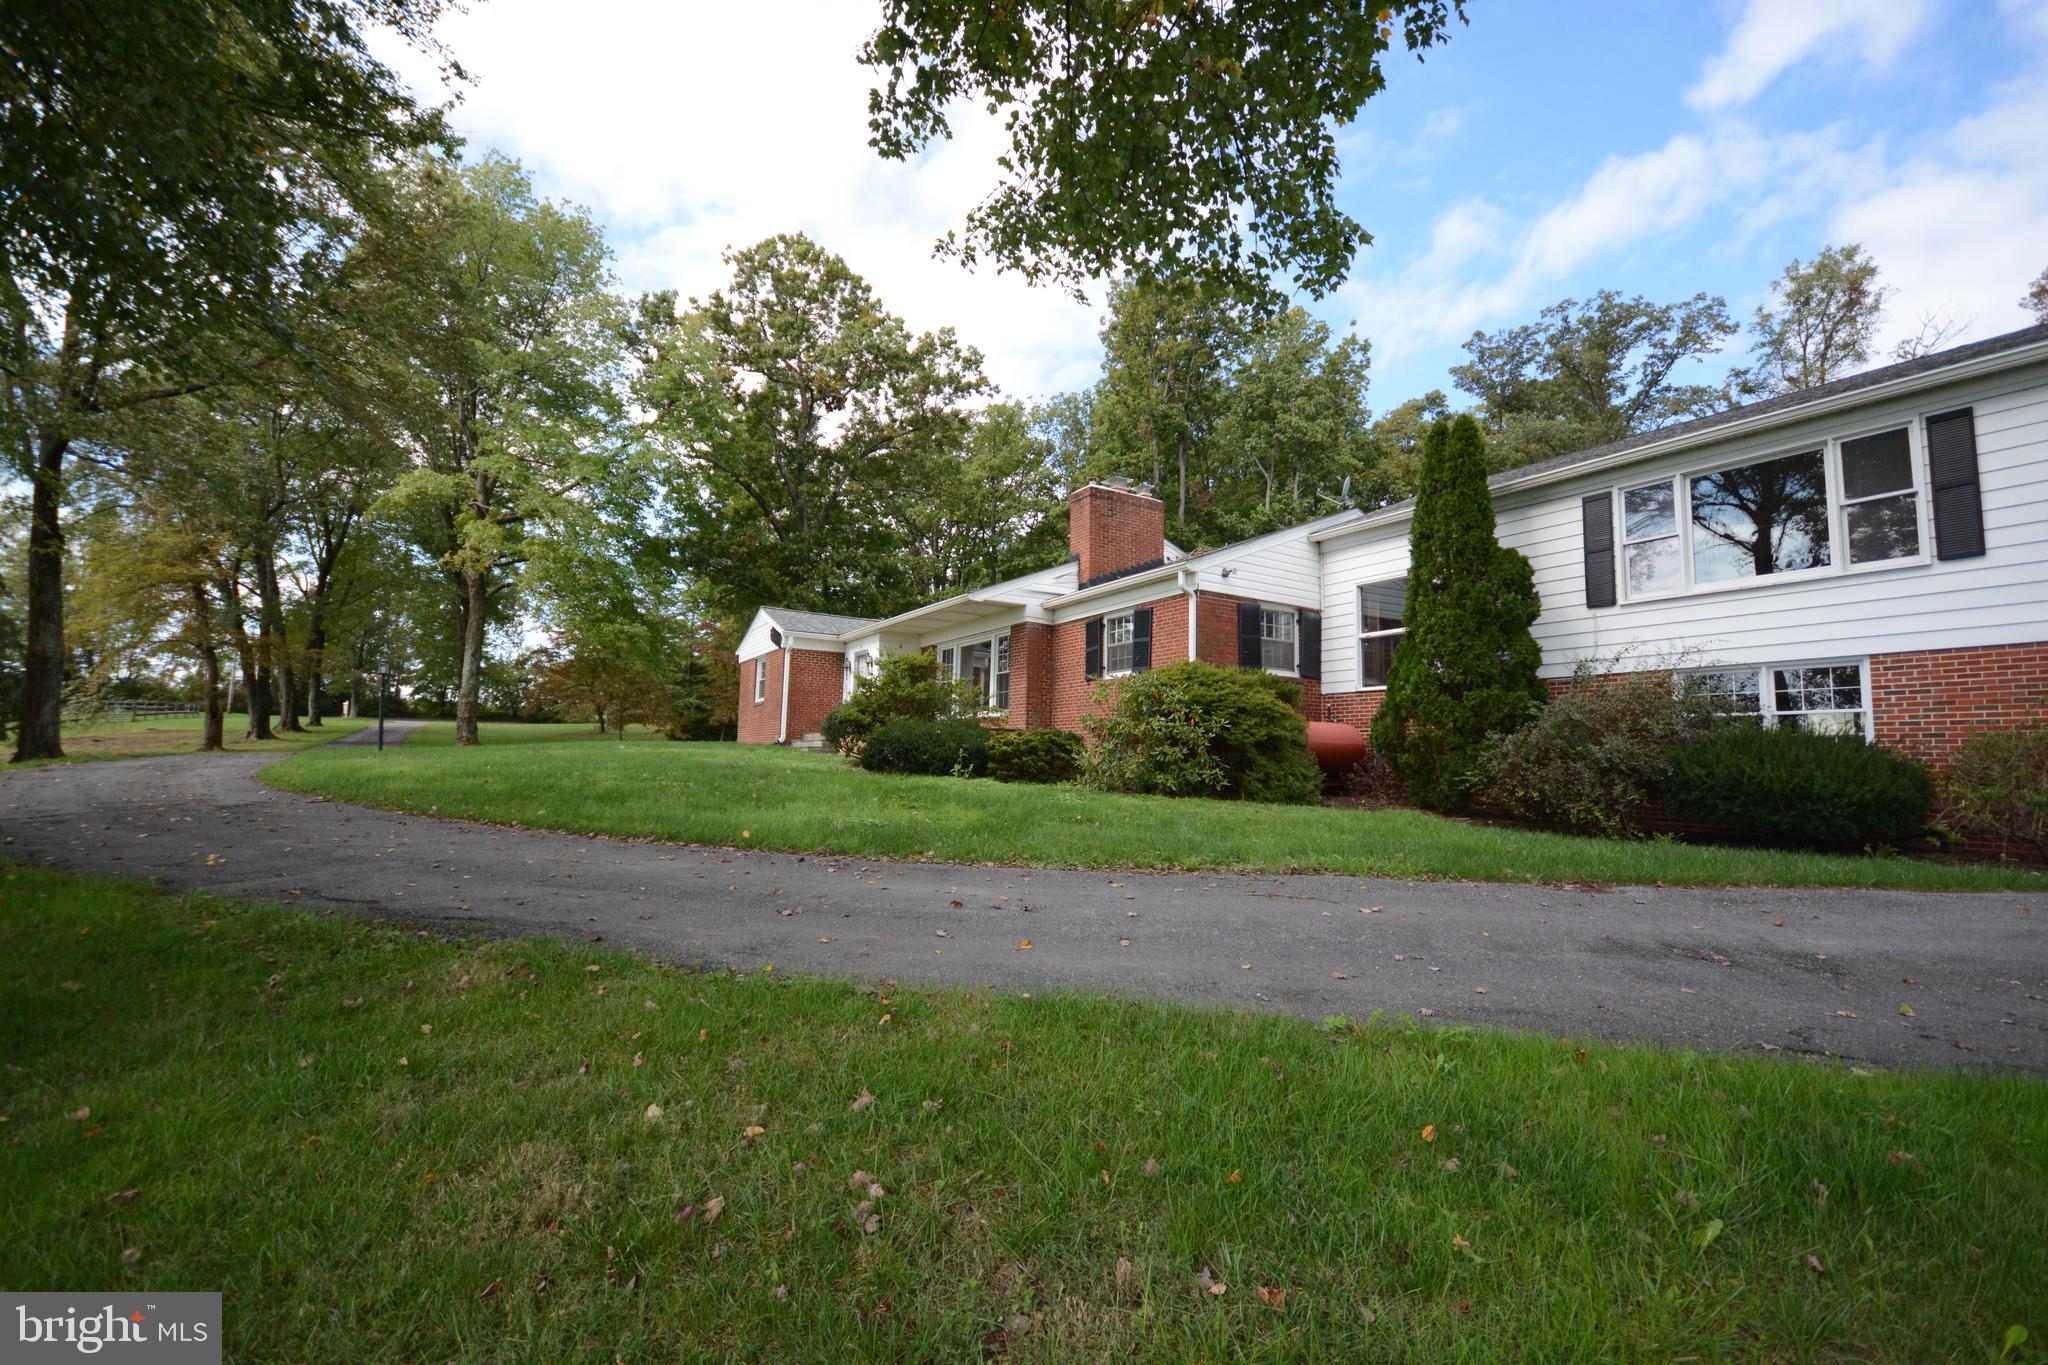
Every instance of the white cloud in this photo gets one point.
(692, 128)
(1772, 36)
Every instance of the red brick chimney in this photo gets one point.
(1115, 526)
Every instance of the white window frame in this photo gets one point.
(1364, 634)
(998, 643)
(1293, 615)
(1767, 689)
(760, 678)
(1838, 520)
(1128, 621)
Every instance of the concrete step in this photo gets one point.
(812, 743)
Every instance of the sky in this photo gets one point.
(1548, 150)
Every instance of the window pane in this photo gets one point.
(1381, 605)
(1375, 657)
(1826, 722)
(1652, 566)
(974, 667)
(1884, 528)
(1764, 518)
(1002, 673)
(1650, 511)
(1116, 645)
(1735, 691)
(1876, 464)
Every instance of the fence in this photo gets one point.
(136, 710)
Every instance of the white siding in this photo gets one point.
(1284, 570)
(2000, 598)
(756, 641)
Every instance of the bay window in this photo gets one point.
(1380, 628)
(1846, 504)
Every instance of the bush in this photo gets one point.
(1996, 786)
(1467, 667)
(1034, 755)
(1593, 757)
(1193, 729)
(932, 748)
(1793, 787)
(905, 685)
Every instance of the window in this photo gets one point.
(1380, 610)
(761, 679)
(1117, 634)
(1825, 698)
(1277, 653)
(1784, 515)
(985, 663)
(1880, 506)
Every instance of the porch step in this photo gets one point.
(812, 743)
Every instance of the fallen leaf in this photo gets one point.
(781, 1292)
(1820, 1194)
(1234, 1178)
(1507, 1170)
(1429, 1132)
(1906, 1010)
(1451, 1165)
(130, 1255)
(1813, 1264)
(80, 1114)
(1210, 1284)
(1023, 944)
(863, 1100)
(1845, 1014)
(1123, 1274)
(713, 1207)
(493, 1287)
(125, 1196)
(654, 1113)
(1271, 1297)
(1339, 976)
(639, 1059)
(1426, 1012)
(1704, 1238)
(1459, 1243)
(873, 1224)
(753, 1130)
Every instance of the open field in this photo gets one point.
(566, 777)
(120, 737)
(384, 1147)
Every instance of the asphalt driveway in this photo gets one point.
(1815, 972)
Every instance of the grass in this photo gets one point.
(560, 777)
(156, 736)
(383, 1147)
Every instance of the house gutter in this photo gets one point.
(1190, 580)
(782, 731)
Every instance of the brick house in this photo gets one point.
(1867, 556)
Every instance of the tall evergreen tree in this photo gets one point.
(1467, 667)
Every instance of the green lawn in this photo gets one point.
(382, 1147)
(562, 777)
(154, 736)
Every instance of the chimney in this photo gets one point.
(1115, 526)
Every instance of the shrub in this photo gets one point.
(907, 685)
(1034, 755)
(1193, 729)
(1467, 667)
(932, 748)
(1595, 754)
(1996, 786)
(1793, 787)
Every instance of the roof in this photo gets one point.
(816, 622)
(2028, 343)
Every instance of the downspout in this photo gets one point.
(782, 732)
(1188, 580)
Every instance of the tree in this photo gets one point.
(788, 408)
(2035, 300)
(1585, 374)
(154, 163)
(1148, 138)
(1819, 324)
(991, 509)
(505, 387)
(1467, 667)
(1295, 427)
(1398, 437)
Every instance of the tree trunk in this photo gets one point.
(212, 738)
(476, 599)
(42, 683)
(1183, 515)
(255, 665)
(316, 649)
(271, 601)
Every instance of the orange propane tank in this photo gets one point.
(1337, 746)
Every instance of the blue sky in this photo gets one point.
(1549, 150)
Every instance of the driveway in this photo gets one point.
(1814, 972)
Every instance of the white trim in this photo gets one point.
(1767, 690)
(1282, 609)
(1130, 616)
(760, 662)
(998, 641)
(1360, 634)
(782, 732)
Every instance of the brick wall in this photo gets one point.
(1031, 675)
(1071, 692)
(816, 684)
(1926, 702)
(1112, 529)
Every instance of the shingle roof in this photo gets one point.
(816, 622)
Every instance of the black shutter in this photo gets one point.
(1141, 639)
(1598, 512)
(1248, 636)
(1091, 654)
(1311, 633)
(1958, 504)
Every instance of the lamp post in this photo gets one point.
(383, 685)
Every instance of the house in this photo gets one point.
(1869, 556)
